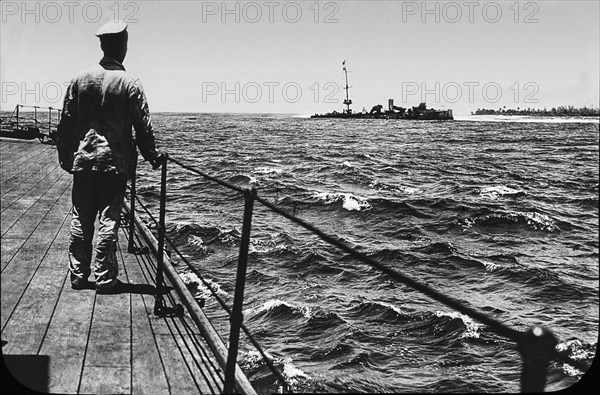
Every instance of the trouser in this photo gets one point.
(96, 194)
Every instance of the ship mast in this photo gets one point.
(347, 101)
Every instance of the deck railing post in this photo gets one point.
(130, 247)
(538, 348)
(158, 301)
(17, 116)
(237, 316)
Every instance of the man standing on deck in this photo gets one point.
(96, 144)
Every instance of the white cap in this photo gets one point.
(111, 27)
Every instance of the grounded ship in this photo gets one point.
(421, 112)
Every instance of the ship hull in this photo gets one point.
(430, 116)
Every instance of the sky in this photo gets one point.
(286, 56)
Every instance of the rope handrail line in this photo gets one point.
(208, 177)
(218, 349)
(496, 326)
(220, 301)
(200, 349)
(499, 327)
(196, 346)
(137, 199)
(228, 310)
(196, 362)
(186, 261)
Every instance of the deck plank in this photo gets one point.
(188, 343)
(22, 168)
(67, 339)
(14, 205)
(95, 343)
(147, 370)
(109, 346)
(25, 331)
(31, 188)
(20, 269)
(26, 165)
(36, 223)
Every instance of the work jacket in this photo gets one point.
(95, 131)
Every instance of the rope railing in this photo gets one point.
(196, 352)
(537, 345)
(219, 300)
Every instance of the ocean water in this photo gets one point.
(500, 215)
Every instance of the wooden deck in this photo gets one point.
(59, 340)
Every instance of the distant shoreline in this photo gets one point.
(561, 111)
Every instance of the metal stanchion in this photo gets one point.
(159, 305)
(538, 348)
(237, 316)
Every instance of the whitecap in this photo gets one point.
(391, 306)
(350, 201)
(540, 221)
(253, 359)
(273, 303)
(400, 189)
(265, 247)
(499, 190)
(196, 285)
(410, 190)
(196, 241)
(267, 170)
(576, 349)
(473, 327)
(292, 372)
(491, 266)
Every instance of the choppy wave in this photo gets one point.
(203, 236)
(578, 351)
(268, 170)
(254, 364)
(494, 192)
(197, 287)
(280, 308)
(472, 328)
(501, 215)
(349, 201)
(532, 220)
(399, 189)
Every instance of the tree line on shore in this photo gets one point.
(560, 111)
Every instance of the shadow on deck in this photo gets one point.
(59, 340)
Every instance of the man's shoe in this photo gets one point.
(81, 283)
(116, 288)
